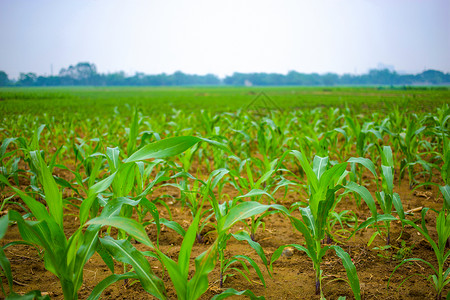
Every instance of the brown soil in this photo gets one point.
(293, 276)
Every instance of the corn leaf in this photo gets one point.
(351, 271)
(244, 236)
(445, 190)
(398, 205)
(242, 211)
(366, 163)
(312, 178)
(319, 165)
(164, 148)
(105, 283)
(365, 194)
(232, 292)
(123, 251)
(280, 249)
(6, 267)
(130, 226)
(53, 197)
(204, 264)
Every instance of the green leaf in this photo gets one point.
(155, 214)
(386, 157)
(37, 137)
(112, 155)
(99, 288)
(388, 178)
(174, 226)
(5, 144)
(264, 178)
(217, 144)
(84, 253)
(123, 251)
(102, 185)
(215, 177)
(309, 220)
(365, 194)
(33, 295)
(408, 260)
(6, 266)
(329, 177)
(204, 264)
(307, 234)
(106, 257)
(243, 236)
(164, 148)
(53, 197)
(445, 190)
(242, 211)
(85, 208)
(253, 264)
(366, 163)
(133, 133)
(371, 220)
(114, 206)
(256, 192)
(130, 226)
(186, 246)
(232, 292)
(398, 205)
(322, 213)
(351, 271)
(280, 249)
(443, 229)
(49, 236)
(37, 209)
(312, 178)
(4, 221)
(319, 165)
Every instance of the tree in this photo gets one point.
(82, 73)
(27, 79)
(4, 81)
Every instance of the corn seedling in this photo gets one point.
(439, 278)
(323, 183)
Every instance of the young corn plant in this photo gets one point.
(386, 198)
(439, 278)
(9, 163)
(258, 188)
(408, 142)
(226, 215)
(193, 195)
(63, 257)
(323, 183)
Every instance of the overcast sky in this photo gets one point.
(222, 37)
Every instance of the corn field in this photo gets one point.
(209, 193)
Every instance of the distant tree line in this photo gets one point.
(85, 73)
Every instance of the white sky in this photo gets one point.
(222, 37)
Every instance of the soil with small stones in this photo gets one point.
(293, 275)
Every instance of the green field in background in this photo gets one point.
(59, 101)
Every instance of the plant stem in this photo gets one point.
(317, 268)
(388, 237)
(222, 262)
(317, 285)
(199, 238)
(68, 289)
